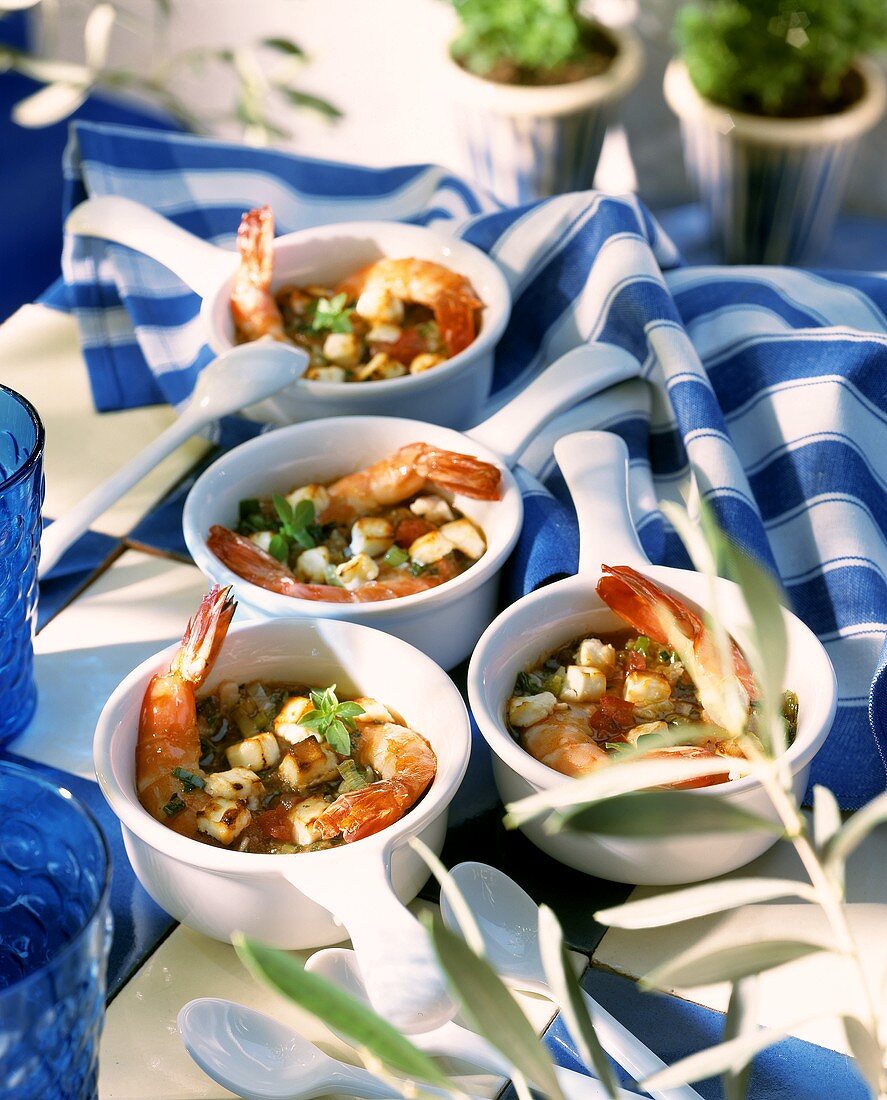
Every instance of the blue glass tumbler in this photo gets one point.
(21, 499)
(55, 932)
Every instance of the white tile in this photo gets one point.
(817, 984)
(40, 357)
(136, 607)
(142, 1056)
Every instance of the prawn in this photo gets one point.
(247, 560)
(168, 737)
(409, 470)
(406, 764)
(563, 741)
(670, 622)
(253, 307)
(446, 293)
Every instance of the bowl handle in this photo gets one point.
(404, 981)
(595, 468)
(578, 374)
(203, 266)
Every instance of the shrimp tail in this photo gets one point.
(251, 563)
(204, 636)
(254, 243)
(460, 473)
(641, 602)
(253, 308)
(364, 812)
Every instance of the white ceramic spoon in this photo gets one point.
(238, 378)
(340, 966)
(508, 920)
(261, 1059)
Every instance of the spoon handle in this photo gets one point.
(69, 527)
(631, 1054)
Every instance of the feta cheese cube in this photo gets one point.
(312, 564)
(379, 304)
(328, 374)
(433, 508)
(308, 763)
(384, 334)
(237, 784)
(382, 366)
(526, 710)
(371, 535)
(223, 819)
(317, 494)
(304, 817)
(593, 653)
(644, 688)
(356, 571)
(425, 361)
(343, 349)
(430, 547)
(463, 534)
(286, 724)
(583, 684)
(259, 752)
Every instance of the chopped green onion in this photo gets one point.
(555, 682)
(641, 644)
(526, 684)
(395, 556)
(190, 781)
(352, 778)
(332, 577)
(174, 806)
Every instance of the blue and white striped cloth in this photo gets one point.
(772, 383)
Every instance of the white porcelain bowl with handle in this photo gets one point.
(445, 621)
(307, 899)
(595, 465)
(449, 394)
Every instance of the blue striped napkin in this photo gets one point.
(771, 382)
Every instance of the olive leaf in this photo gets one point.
(741, 1019)
(701, 901)
(867, 1051)
(854, 831)
(338, 1010)
(660, 813)
(826, 817)
(727, 964)
(568, 995)
(468, 926)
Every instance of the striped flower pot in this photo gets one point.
(523, 143)
(772, 186)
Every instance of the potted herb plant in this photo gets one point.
(773, 99)
(535, 84)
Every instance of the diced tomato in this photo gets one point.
(633, 661)
(408, 530)
(612, 717)
(405, 348)
(275, 824)
(690, 752)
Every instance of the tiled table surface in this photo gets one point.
(129, 591)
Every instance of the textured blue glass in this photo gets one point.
(55, 931)
(21, 498)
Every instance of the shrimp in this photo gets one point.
(409, 470)
(725, 695)
(406, 763)
(447, 294)
(563, 741)
(253, 307)
(247, 560)
(168, 736)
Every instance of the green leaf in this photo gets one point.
(349, 710)
(337, 737)
(741, 1019)
(278, 548)
(284, 45)
(283, 508)
(727, 964)
(339, 1010)
(867, 1052)
(331, 315)
(701, 901)
(312, 103)
(568, 996)
(490, 1008)
(854, 831)
(468, 926)
(826, 817)
(661, 813)
(609, 782)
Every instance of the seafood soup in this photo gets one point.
(387, 531)
(394, 317)
(270, 768)
(598, 697)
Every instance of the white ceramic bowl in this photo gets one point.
(443, 622)
(595, 465)
(449, 394)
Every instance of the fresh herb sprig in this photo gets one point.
(332, 720)
(297, 526)
(331, 315)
